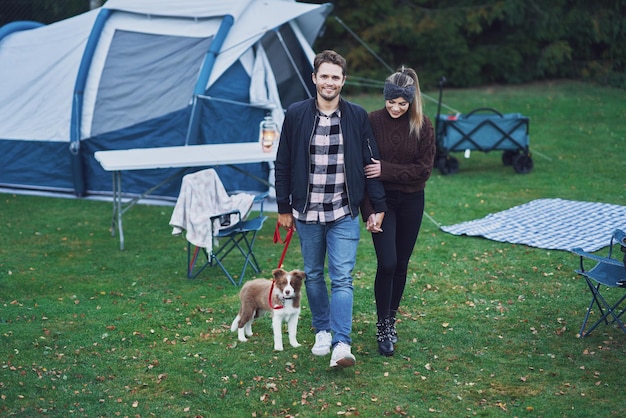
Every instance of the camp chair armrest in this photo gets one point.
(260, 199)
(620, 237)
(598, 258)
(232, 212)
(226, 215)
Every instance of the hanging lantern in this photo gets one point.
(268, 133)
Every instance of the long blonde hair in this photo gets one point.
(405, 77)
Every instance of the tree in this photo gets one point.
(475, 42)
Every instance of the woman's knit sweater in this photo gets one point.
(406, 161)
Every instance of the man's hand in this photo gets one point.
(375, 222)
(285, 220)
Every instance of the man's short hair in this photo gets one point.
(331, 57)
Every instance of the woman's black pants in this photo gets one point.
(394, 247)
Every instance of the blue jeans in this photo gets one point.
(340, 240)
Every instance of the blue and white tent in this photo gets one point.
(147, 73)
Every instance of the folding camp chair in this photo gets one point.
(240, 235)
(216, 222)
(608, 272)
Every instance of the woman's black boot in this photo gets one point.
(383, 336)
(394, 334)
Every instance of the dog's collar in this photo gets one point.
(269, 298)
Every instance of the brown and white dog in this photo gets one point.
(283, 305)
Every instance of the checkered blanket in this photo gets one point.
(554, 224)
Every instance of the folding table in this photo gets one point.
(208, 155)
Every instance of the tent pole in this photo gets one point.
(17, 26)
(78, 174)
(293, 63)
(205, 73)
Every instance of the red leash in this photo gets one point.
(286, 241)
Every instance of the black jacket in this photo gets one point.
(292, 160)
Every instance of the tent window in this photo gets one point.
(289, 79)
(146, 76)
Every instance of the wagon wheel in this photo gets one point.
(448, 165)
(522, 164)
(508, 156)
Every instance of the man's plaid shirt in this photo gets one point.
(328, 199)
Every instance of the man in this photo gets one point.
(324, 144)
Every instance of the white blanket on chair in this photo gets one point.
(202, 195)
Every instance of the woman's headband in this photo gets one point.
(393, 91)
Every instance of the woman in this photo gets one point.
(406, 143)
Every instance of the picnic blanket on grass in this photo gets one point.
(553, 224)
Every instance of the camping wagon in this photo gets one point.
(483, 129)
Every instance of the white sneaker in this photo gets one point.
(323, 341)
(342, 356)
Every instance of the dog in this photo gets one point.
(283, 305)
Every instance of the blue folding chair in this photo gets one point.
(240, 236)
(608, 272)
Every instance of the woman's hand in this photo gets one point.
(372, 170)
(374, 222)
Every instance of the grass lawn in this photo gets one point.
(486, 328)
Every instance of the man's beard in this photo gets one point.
(326, 97)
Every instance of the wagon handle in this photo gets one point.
(442, 81)
(484, 108)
